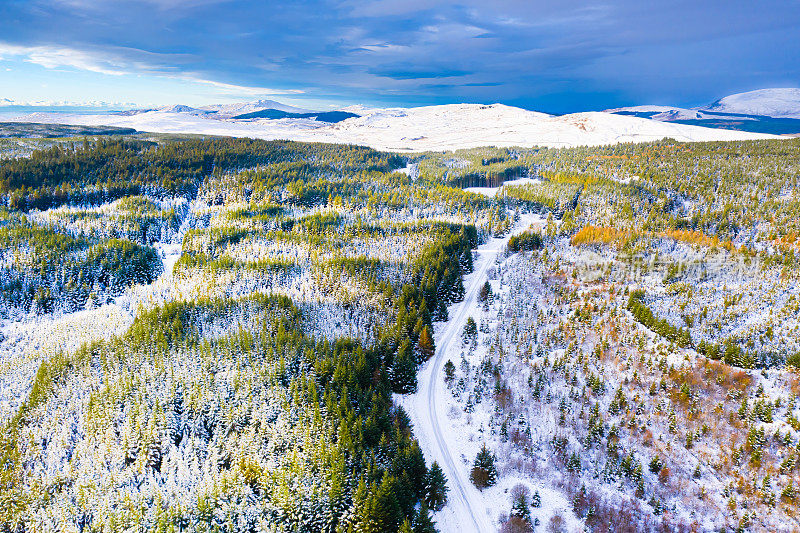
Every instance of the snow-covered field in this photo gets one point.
(443, 127)
(669, 113)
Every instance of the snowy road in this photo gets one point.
(466, 509)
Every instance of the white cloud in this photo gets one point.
(231, 88)
(114, 61)
(385, 48)
(119, 61)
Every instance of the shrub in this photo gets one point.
(557, 524)
(479, 477)
(515, 524)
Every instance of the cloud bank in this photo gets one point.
(557, 56)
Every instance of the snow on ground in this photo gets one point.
(445, 438)
(443, 127)
(778, 103)
(668, 113)
(25, 344)
(781, 102)
(492, 191)
(232, 110)
(411, 170)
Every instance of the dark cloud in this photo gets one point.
(556, 55)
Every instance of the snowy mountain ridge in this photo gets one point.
(231, 110)
(440, 127)
(778, 103)
(775, 111)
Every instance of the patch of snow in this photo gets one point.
(492, 191)
(411, 170)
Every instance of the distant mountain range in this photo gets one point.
(269, 109)
(454, 126)
(775, 111)
(441, 127)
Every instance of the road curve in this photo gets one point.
(465, 503)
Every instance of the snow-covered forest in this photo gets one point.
(228, 335)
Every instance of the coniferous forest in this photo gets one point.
(217, 334)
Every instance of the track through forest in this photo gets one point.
(426, 407)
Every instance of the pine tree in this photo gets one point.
(423, 523)
(425, 344)
(404, 370)
(435, 487)
(484, 471)
(440, 313)
(536, 500)
(520, 506)
(470, 330)
(382, 511)
(486, 292)
(449, 371)
(406, 527)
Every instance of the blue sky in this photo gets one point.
(552, 56)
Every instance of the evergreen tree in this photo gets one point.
(449, 371)
(536, 500)
(425, 344)
(423, 523)
(486, 292)
(411, 462)
(519, 507)
(440, 313)
(435, 487)
(406, 527)
(382, 511)
(470, 330)
(484, 471)
(404, 370)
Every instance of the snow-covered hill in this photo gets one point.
(780, 103)
(231, 110)
(444, 127)
(670, 113)
(182, 109)
(775, 103)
